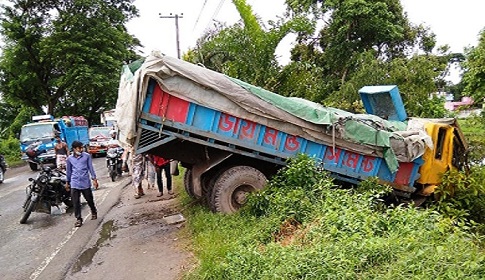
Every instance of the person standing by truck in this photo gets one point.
(162, 164)
(62, 151)
(79, 167)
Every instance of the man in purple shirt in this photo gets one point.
(79, 164)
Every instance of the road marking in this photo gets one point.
(47, 260)
(68, 237)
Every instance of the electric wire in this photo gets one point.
(218, 8)
(198, 17)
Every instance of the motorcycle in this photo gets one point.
(45, 191)
(114, 162)
(3, 168)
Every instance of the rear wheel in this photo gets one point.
(232, 187)
(1, 175)
(33, 166)
(28, 211)
(188, 183)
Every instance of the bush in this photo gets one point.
(10, 148)
(302, 227)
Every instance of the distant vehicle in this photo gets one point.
(107, 118)
(37, 139)
(3, 168)
(98, 140)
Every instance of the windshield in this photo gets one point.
(36, 131)
(99, 133)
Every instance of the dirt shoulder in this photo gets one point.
(137, 239)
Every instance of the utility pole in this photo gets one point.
(176, 17)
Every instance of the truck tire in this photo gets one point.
(188, 184)
(231, 188)
(33, 166)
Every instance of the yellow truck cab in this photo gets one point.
(449, 152)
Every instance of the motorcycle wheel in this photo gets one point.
(112, 173)
(68, 203)
(1, 175)
(33, 166)
(28, 210)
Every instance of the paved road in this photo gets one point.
(50, 247)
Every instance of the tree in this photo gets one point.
(246, 50)
(65, 56)
(474, 70)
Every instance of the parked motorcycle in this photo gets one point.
(3, 168)
(114, 162)
(45, 191)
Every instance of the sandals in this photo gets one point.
(78, 223)
(137, 196)
(94, 216)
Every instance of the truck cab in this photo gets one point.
(38, 137)
(99, 137)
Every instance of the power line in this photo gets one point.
(200, 13)
(218, 8)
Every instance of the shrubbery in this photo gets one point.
(303, 227)
(10, 148)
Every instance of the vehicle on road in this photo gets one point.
(114, 162)
(37, 139)
(3, 168)
(45, 191)
(99, 137)
(232, 136)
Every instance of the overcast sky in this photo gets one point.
(456, 23)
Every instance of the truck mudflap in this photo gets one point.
(166, 118)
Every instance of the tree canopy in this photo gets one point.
(64, 56)
(360, 42)
(474, 67)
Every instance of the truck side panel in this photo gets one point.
(173, 116)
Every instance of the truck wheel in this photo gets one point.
(188, 184)
(33, 166)
(232, 187)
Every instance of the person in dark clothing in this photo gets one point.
(79, 164)
(162, 164)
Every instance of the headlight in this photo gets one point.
(43, 179)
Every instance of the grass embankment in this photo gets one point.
(303, 227)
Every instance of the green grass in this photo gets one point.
(303, 227)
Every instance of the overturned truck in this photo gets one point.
(232, 136)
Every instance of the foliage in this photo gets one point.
(246, 50)
(474, 130)
(333, 233)
(474, 72)
(461, 196)
(64, 55)
(414, 77)
(10, 148)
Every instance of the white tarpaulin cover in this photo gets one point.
(361, 133)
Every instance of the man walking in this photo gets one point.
(79, 164)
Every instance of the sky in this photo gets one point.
(456, 23)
